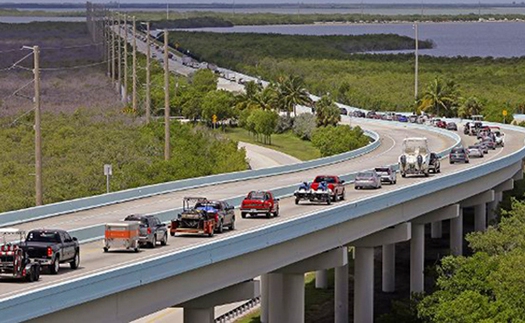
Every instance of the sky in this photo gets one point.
(271, 1)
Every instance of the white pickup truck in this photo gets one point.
(415, 157)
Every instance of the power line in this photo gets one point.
(65, 68)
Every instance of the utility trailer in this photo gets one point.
(14, 261)
(193, 220)
(124, 234)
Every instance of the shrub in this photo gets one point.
(284, 123)
(304, 125)
(335, 140)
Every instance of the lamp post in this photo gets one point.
(148, 72)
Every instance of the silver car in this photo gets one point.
(475, 151)
(367, 179)
(387, 174)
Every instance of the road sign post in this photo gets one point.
(108, 171)
(504, 112)
(214, 120)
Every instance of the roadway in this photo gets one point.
(261, 157)
(94, 260)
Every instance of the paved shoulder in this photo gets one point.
(261, 157)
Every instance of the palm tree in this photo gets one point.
(440, 95)
(327, 112)
(291, 92)
(470, 106)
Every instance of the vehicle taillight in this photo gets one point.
(216, 217)
(149, 230)
(49, 252)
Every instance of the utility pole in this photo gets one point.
(107, 41)
(38, 134)
(119, 83)
(112, 28)
(167, 11)
(416, 27)
(125, 59)
(134, 65)
(166, 99)
(148, 74)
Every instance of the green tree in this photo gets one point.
(332, 140)
(204, 80)
(440, 98)
(327, 112)
(470, 106)
(192, 104)
(291, 92)
(264, 122)
(304, 125)
(219, 103)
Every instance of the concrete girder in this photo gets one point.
(485, 197)
(505, 186)
(330, 259)
(518, 176)
(399, 233)
(445, 213)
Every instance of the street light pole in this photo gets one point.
(125, 59)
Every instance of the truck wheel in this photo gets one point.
(243, 215)
(164, 240)
(276, 213)
(426, 174)
(343, 195)
(106, 249)
(172, 234)
(328, 200)
(76, 261)
(55, 266)
(268, 215)
(37, 272)
(221, 227)
(232, 226)
(296, 201)
(334, 198)
(153, 242)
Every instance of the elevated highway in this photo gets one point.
(120, 287)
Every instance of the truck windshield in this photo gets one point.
(256, 196)
(324, 179)
(43, 236)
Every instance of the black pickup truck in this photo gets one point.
(52, 247)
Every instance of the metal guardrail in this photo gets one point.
(80, 290)
(50, 210)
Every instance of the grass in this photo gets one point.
(317, 301)
(287, 143)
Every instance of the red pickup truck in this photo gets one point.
(335, 184)
(260, 202)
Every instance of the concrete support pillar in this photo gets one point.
(341, 294)
(264, 298)
(275, 297)
(436, 230)
(199, 315)
(417, 258)
(499, 197)
(480, 217)
(286, 298)
(389, 267)
(456, 234)
(321, 279)
(364, 285)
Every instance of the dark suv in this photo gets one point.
(151, 230)
(458, 154)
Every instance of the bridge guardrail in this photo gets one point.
(80, 290)
(54, 209)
